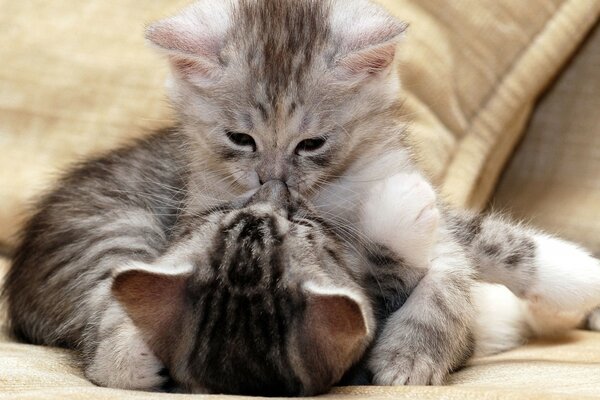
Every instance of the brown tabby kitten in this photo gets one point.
(255, 298)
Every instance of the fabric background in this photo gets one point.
(553, 180)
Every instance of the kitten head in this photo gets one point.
(267, 304)
(292, 90)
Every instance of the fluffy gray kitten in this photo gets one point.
(261, 296)
(301, 91)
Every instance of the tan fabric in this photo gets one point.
(554, 178)
(76, 78)
(569, 367)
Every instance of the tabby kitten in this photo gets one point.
(272, 302)
(302, 91)
(255, 297)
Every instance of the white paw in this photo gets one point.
(400, 212)
(568, 277)
(409, 370)
(126, 362)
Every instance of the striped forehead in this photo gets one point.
(287, 37)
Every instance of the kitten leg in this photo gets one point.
(430, 334)
(559, 280)
(120, 358)
(504, 321)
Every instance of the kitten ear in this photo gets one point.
(338, 327)
(369, 62)
(370, 37)
(193, 40)
(153, 300)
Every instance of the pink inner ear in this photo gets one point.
(380, 35)
(337, 325)
(367, 62)
(194, 70)
(337, 316)
(153, 301)
(335, 334)
(194, 42)
(192, 50)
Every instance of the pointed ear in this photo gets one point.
(363, 64)
(153, 300)
(193, 40)
(370, 37)
(338, 328)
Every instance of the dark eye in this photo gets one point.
(242, 139)
(309, 145)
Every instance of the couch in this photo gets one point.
(502, 97)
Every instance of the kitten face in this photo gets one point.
(281, 90)
(270, 307)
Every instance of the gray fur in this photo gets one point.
(504, 253)
(281, 72)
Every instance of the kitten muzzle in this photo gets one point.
(273, 192)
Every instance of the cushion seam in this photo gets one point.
(501, 83)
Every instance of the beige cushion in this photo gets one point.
(473, 71)
(554, 178)
(76, 78)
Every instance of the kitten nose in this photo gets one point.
(273, 192)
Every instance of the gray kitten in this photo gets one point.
(259, 298)
(255, 296)
(301, 91)
(261, 295)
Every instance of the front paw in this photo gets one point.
(148, 375)
(411, 352)
(405, 363)
(399, 370)
(126, 362)
(401, 213)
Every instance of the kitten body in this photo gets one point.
(303, 92)
(121, 349)
(550, 285)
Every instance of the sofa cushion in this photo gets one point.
(553, 180)
(77, 78)
(473, 71)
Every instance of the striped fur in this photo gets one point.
(322, 71)
(453, 311)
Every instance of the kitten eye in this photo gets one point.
(309, 145)
(242, 139)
